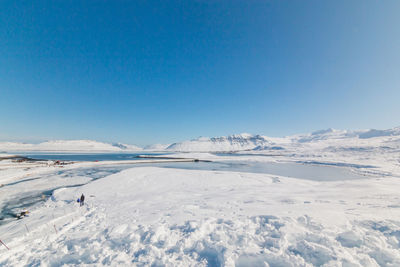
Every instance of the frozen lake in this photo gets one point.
(309, 171)
(27, 193)
(294, 170)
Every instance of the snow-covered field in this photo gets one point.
(154, 216)
(147, 215)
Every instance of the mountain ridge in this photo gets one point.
(69, 146)
(230, 143)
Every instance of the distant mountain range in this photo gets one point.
(230, 143)
(258, 142)
(68, 146)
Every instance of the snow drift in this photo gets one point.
(169, 217)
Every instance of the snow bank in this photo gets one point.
(5, 155)
(153, 216)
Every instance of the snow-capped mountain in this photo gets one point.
(68, 145)
(323, 135)
(219, 144)
(127, 147)
(379, 133)
(239, 142)
(156, 147)
(321, 138)
(331, 134)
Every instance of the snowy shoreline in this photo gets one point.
(168, 216)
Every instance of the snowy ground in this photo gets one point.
(147, 215)
(175, 217)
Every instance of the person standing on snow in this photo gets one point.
(82, 200)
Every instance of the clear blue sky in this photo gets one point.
(145, 72)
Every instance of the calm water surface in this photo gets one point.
(89, 156)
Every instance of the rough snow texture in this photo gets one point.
(68, 146)
(169, 217)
